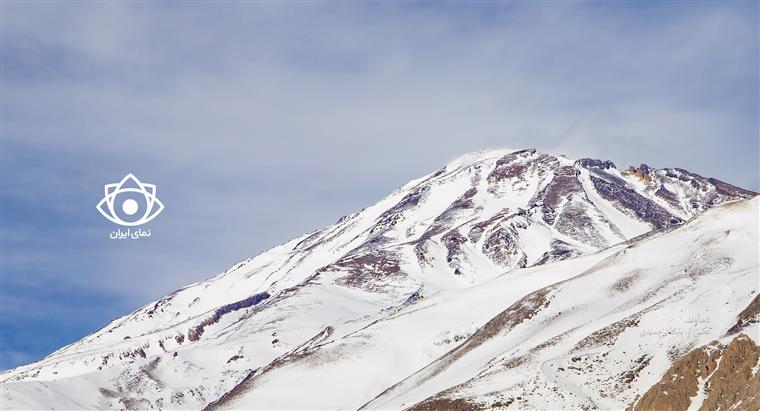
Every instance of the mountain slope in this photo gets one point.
(591, 332)
(447, 236)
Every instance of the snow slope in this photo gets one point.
(394, 297)
(599, 339)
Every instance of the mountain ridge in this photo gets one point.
(483, 215)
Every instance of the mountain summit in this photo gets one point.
(504, 279)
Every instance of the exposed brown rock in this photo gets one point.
(508, 167)
(749, 315)
(733, 386)
(457, 404)
(565, 182)
(609, 334)
(514, 166)
(723, 372)
(368, 271)
(633, 374)
(680, 382)
(641, 172)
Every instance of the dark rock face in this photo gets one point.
(575, 222)
(507, 167)
(441, 222)
(477, 229)
(370, 272)
(195, 333)
(463, 202)
(668, 196)
(391, 216)
(560, 251)
(592, 163)
(501, 247)
(695, 180)
(453, 241)
(562, 203)
(564, 183)
(628, 199)
(730, 190)
(516, 166)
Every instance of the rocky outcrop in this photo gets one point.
(563, 184)
(515, 168)
(195, 333)
(628, 199)
(750, 315)
(501, 247)
(370, 272)
(458, 404)
(593, 163)
(394, 214)
(510, 166)
(575, 222)
(730, 190)
(641, 172)
(720, 376)
(560, 250)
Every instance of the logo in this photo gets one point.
(130, 202)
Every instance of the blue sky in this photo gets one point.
(262, 121)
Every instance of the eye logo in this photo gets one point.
(130, 202)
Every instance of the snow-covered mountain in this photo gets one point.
(505, 279)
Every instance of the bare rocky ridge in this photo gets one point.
(748, 316)
(725, 376)
(483, 219)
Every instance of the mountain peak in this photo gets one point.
(484, 214)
